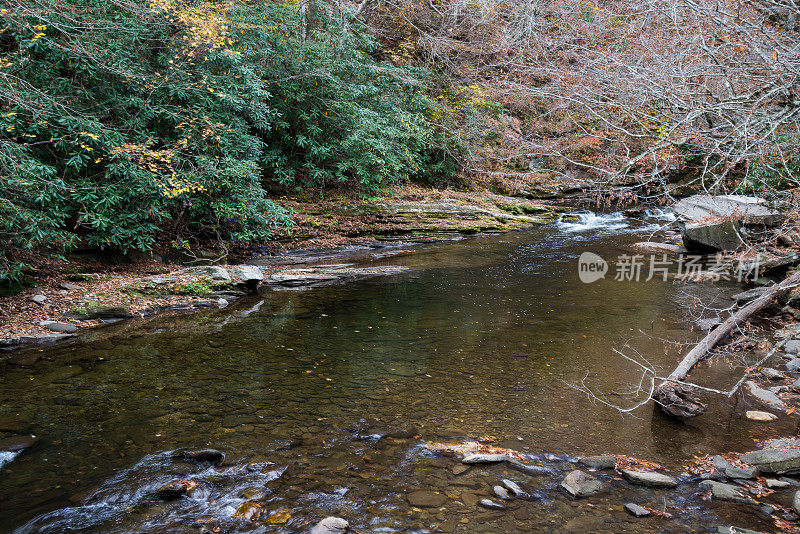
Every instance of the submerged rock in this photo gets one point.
(17, 443)
(773, 461)
(176, 489)
(649, 478)
(580, 484)
(636, 510)
(426, 499)
(331, 525)
(248, 510)
(211, 456)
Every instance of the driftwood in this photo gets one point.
(677, 399)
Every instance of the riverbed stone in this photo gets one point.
(774, 483)
(772, 374)
(211, 456)
(636, 510)
(793, 365)
(17, 443)
(605, 461)
(460, 469)
(175, 489)
(726, 492)
(250, 275)
(426, 499)
(97, 310)
(763, 395)
(515, 489)
(741, 472)
(55, 326)
(501, 492)
(485, 458)
(649, 478)
(488, 503)
(773, 461)
(580, 484)
(792, 347)
(38, 299)
(736, 530)
(755, 415)
(331, 525)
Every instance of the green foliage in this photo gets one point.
(772, 173)
(119, 119)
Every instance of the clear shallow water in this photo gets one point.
(345, 384)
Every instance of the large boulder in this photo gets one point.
(249, 275)
(774, 461)
(580, 484)
(710, 222)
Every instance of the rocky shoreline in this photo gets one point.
(67, 304)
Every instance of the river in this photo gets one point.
(345, 384)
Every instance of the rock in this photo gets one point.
(488, 503)
(720, 463)
(95, 310)
(772, 374)
(222, 302)
(793, 366)
(776, 484)
(501, 492)
(249, 275)
(515, 489)
(485, 458)
(741, 472)
(38, 299)
(460, 469)
(659, 248)
(248, 510)
(726, 492)
(714, 222)
(796, 502)
(795, 385)
(426, 499)
(55, 326)
(636, 510)
(215, 272)
(69, 287)
(599, 462)
(17, 443)
(754, 415)
(331, 525)
(211, 456)
(649, 478)
(529, 468)
(735, 530)
(792, 347)
(773, 461)
(176, 489)
(765, 396)
(580, 484)
(750, 295)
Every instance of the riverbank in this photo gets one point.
(84, 292)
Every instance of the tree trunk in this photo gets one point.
(677, 399)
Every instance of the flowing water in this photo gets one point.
(341, 386)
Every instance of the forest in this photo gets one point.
(126, 123)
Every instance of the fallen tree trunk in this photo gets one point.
(678, 400)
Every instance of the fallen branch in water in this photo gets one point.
(675, 397)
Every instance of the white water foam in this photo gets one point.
(659, 213)
(587, 220)
(7, 457)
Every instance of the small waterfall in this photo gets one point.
(586, 220)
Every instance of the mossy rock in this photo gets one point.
(96, 310)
